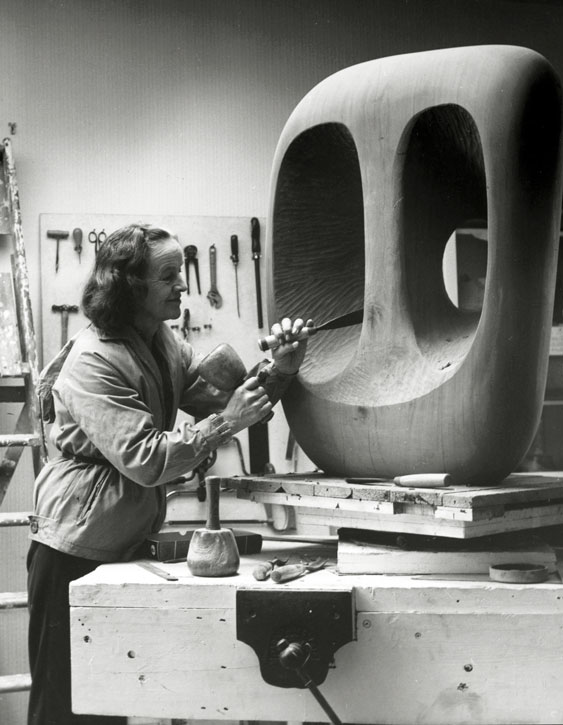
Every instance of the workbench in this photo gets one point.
(423, 649)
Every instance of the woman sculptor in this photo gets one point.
(113, 394)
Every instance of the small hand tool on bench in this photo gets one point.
(157, 571)
(411, 480)
(265, 568)
(294, 571)
(424, 480)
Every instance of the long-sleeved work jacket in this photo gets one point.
(118, 440)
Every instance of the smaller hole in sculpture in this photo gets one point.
(464, 265)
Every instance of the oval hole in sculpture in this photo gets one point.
(443, 186)
(318, 242)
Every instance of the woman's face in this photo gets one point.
(165, 283)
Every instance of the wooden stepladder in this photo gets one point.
(19, 371)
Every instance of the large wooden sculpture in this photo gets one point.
(375, 169)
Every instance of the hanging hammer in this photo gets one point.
(58, 235)
(64, 310)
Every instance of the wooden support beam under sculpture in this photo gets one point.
(375, 169)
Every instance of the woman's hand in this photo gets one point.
(247, 405)
(290, 353)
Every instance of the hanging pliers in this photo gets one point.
(190, 258)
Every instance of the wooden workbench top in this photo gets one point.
(130, 585)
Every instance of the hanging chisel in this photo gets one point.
(351, 318)
(234, 259)
(255, 236)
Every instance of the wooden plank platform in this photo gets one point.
(522, 501)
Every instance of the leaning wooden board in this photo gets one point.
(522, 501)
(426, 650)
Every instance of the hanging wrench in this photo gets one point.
(215, 299)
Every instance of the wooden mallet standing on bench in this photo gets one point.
(213, 551)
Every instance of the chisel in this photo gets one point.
(424, 480)
(255, 236)
(234, 259)
(409, 480)
(270, 342)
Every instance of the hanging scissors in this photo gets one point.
(97, 239)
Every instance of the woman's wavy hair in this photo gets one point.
(117, 282)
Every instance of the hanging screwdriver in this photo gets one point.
(77, 237)
(234, 259)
